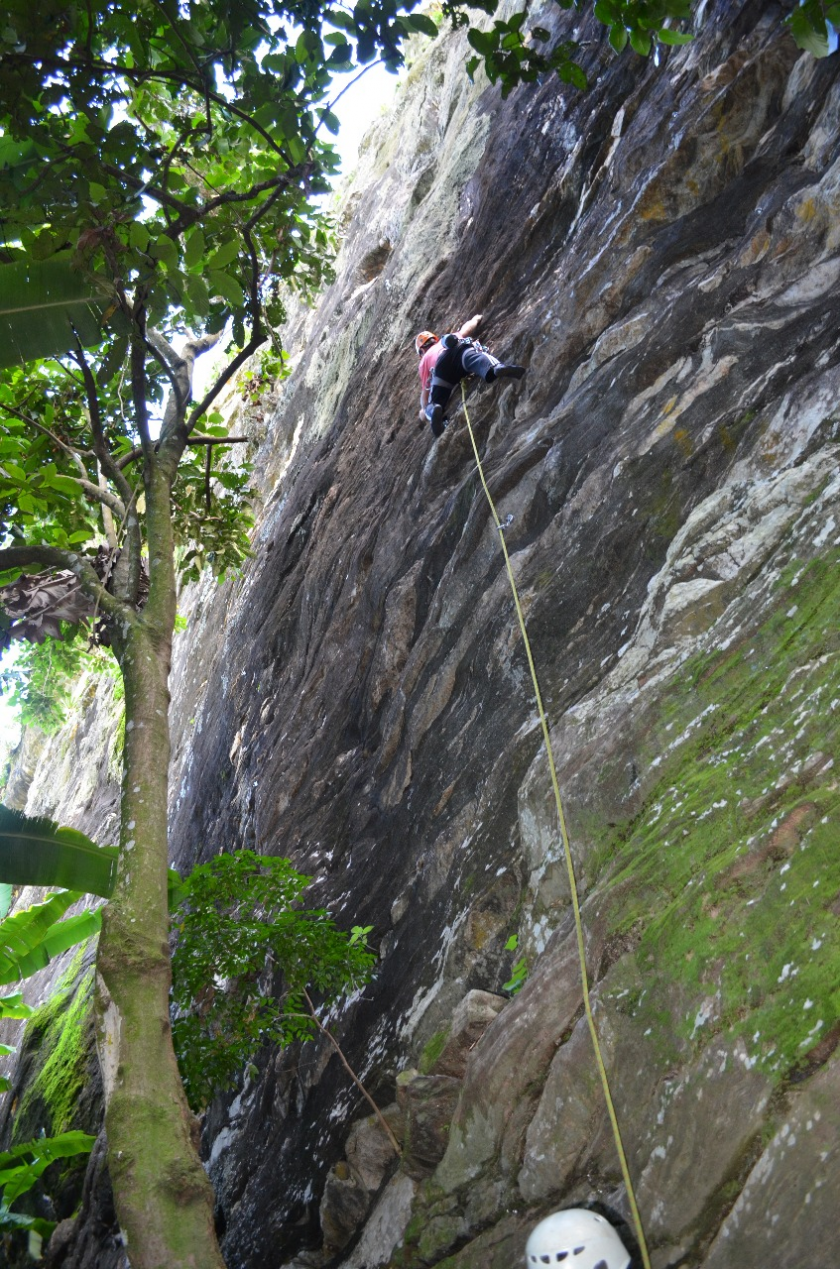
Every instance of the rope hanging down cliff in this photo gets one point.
(567, 852)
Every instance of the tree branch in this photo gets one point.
(52, 558)
(224, 378)
(105, 458)
(132, 457)
(73, 454)
(108, 468)
(138, 388)
(354, 1077)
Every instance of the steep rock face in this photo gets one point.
(663, 253)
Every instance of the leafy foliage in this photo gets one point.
(22, 1167)
(519, 972)
(241, 933)
(30, 939)
(808, 24)
(42, 679)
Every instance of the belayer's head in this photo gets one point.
(424, 341)
(585, 1239)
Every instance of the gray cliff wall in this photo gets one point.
(663, 253)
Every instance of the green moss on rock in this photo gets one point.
(432, 1050)
(730, 870)
(61, 1030)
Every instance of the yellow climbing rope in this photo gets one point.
(602, 1070)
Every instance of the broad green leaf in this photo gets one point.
(423, 23)
(138, 236)
(809, 30)
(41, 306)
(165, 250)
(618, 38)
(667, 36)
(17, 1175)
(195, 249)
(12, 1006)
(73, 930)
(223, 284)
(64, 484)
(481, 41)
(224, 255)
(36, 852)
(22, 936)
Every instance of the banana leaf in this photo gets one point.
(17, 1175)
(36, 852)
(44, 306)
(23, 946)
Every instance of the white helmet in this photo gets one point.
(585, 1239)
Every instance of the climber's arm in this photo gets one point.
(470, 327)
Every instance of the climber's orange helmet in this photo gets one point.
(424, 341)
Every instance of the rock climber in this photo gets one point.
(445, 362)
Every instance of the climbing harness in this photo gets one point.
(570, 868)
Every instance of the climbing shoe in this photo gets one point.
(509, 372)
(437, 420)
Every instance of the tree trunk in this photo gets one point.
(163, 1197)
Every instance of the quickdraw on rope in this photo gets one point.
(587, 1005)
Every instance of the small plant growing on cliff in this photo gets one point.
(519, 972)
(246, 953)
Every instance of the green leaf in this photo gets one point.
(22, 1166)
(618, 38)
(36, 852)
(331, 121)
(194, 252)
(223, 284)
(165, 250)
(481, 41)
(422, 23)
(224, 255)
(41, 305)
(641, 42)
(808, 29)
(296, 149)
(12, 1006)
(63, 484)
(667, 36)
(22, 950)
(138, 236)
